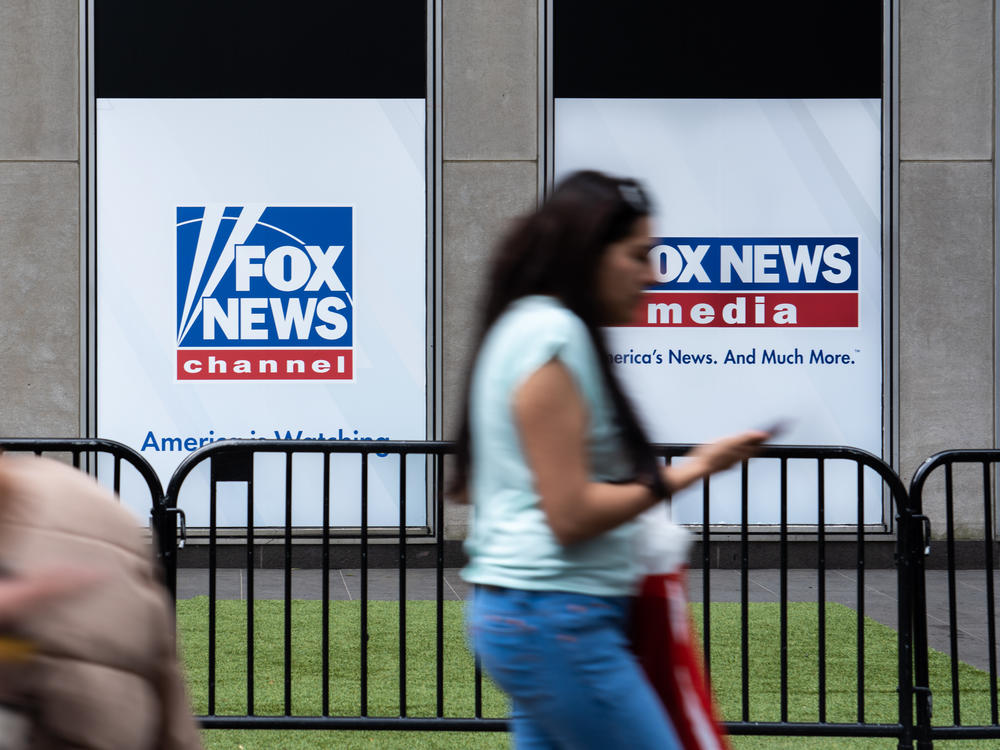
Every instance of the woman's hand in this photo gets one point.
(705, 460)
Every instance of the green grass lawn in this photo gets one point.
(421, 679)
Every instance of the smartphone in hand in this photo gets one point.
(776, 428)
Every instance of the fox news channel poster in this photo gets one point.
(768, 299)
(261, 274)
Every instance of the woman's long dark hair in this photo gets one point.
(556, 251)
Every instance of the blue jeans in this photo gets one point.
(565, 662)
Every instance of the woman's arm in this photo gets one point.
(551, 418)
(552, 422)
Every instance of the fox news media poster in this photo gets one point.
(261, 274)
(768, 296)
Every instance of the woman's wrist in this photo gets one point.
(677, 477)
(658, 485)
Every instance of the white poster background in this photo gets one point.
(154, 155)
(753, 168)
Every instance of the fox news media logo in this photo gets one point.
(804, 282)
(265, 293)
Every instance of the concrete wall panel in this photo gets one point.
(480, 199)
(946, 314)
(39, 80)
(39, 300)
(946, 79)
(490, 79)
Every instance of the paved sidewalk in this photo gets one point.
(880, 593)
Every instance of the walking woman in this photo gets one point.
(557, 466)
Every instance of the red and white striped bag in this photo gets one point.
(662, 635)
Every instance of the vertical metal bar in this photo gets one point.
(910, 607)
(212, 520)
(546, 105)
(952, 594)
(478, 679)
(402, 584)
(435, 191)
(76, 458)
(325, 636)
(439, 531)
(706, 589)
(821, 588)
(991, 625)
(250, 595)
(783, 590)
(745, 588)
(861, 593)
(478, 698)
(288, 583)
(117, 481)
(914, 678)
(364, 584)
(88, 226)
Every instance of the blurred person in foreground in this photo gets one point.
(21, 595)
(557, 466)
(91, 659)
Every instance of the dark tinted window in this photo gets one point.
(718, 49)
(260, 48)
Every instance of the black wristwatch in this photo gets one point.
(655, 483)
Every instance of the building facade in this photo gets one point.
(942, 285)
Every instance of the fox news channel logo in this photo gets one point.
(265, 293)
(802, 282)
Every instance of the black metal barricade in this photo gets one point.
(233, 461)
(973, 711)
(84, 454)
(823, 457)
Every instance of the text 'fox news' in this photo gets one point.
(804, 282)
(265, 293)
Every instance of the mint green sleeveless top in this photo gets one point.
(510, 543)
